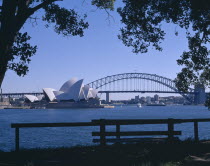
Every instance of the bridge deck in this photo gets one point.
(135, 91)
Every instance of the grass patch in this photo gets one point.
(142, 154)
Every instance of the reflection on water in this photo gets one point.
(66, 136)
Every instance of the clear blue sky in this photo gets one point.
(98, 54)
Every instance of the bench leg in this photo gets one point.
(102, 133)
(118, 133)
(170, 129)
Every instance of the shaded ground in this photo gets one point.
(144, 154)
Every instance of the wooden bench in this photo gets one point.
(117, 122)
(133, 133)
(103, 134)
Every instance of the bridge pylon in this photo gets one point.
(107, 97)
(200, 95)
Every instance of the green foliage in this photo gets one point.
(184, 79)
(143, 20)
(104, 4)
(196, 62)
(20, 54)
(66, 22)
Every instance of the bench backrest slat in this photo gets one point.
(76, 124)
(136, 133)
(147, 121)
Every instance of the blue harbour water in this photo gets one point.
(72, 136)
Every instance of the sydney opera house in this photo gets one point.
(72, 94)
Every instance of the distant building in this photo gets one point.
(72, 90)
(156, 98)
(132, 101)
(137, 98)
(4, 101)
(143, 100)
(148, 99)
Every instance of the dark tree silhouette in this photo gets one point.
(15, 51)
(143, 20)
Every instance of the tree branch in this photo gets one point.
(28, 2)
(22, 7)
(41, 5)
(33, 20)
(25, 12)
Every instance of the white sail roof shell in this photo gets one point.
(86, 90)
(73, 92)
(63, 96)
(92, 93)
(81, 95)
(40, 97)
(49, 93)
(31, 98)
(72, 89)
(57, 93)
(67, 85)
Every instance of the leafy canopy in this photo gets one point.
(143, 20)
(14, 14)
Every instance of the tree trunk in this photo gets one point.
(7, 34)
(3, 66)
(3, 70)
(2, 74)
(5, 47)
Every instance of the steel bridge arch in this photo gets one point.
(152, 77)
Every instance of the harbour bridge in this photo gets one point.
(142, 83)
(138, 83)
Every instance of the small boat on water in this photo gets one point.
(139, 105)
(156, 104)
(109, 106)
